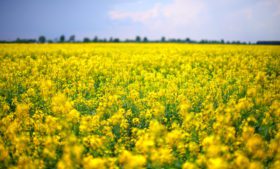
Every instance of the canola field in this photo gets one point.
(130, 106)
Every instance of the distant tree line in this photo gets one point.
(268, 42)
(137, 39)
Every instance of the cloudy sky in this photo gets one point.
(246, 20)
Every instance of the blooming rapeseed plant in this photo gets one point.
(139, 106)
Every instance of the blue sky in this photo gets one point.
(246, 20)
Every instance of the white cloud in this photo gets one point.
(255, 21)
(197, 19)
(142, 16)
(178, 13)
(272, 3)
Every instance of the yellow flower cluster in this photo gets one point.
(133, 106)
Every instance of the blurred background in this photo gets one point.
(222, 20)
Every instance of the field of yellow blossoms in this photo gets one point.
(130, 106)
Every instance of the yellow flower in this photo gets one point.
(3, 153)
(73, 116)
(162, 156)
(217, 163)
(256, 165)
(184, 109)
(156, 128)
(261, 76)
(6, 108)
(130, 161)
(135, 121)
(144, 144)
(22, 110)
(255, 146)
(60, 104)
(174, 137)
(124, 124)
(188, 165)
(252, 92)
(94, 163)
(242, 161)
(194, 148)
